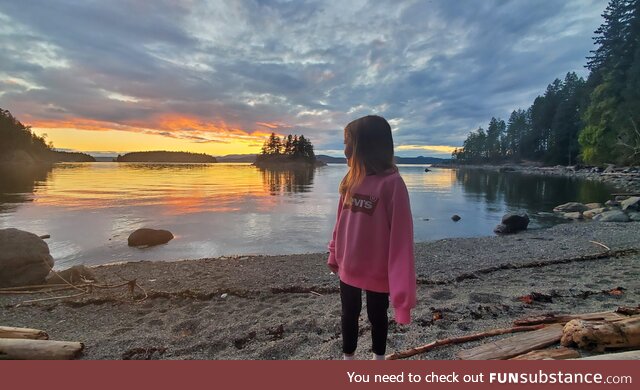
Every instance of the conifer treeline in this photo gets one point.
(594, 121)
(293, 146)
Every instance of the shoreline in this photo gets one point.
(623, 178)
(287, 307)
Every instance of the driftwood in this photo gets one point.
(555, 354)
(515, 345)
(629, 355)
(563, 319)
(602, 335)
(459, 340)
(8, 332)
(21, 349)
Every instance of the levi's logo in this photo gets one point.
(363, 203)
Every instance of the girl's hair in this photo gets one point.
(372, 151)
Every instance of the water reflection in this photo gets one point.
(281, 181)
(532, 192)
(17, 183)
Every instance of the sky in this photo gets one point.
(217, 77)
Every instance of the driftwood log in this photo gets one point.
(555, 354)
(459, 340)
(8, 332)
(602, 335)
(22, 349)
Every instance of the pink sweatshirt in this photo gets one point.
(372, 245)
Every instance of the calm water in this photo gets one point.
(89, 209)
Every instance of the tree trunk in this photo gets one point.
(8, 332)
(21, 349)
(602, 335)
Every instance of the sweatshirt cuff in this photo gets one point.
(403, 315)
(332, 259)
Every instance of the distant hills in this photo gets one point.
(399, 160)
(251, 158)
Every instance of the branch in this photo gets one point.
(460, 340)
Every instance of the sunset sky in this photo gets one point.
(216, 77)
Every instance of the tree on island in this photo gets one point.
(289, 149)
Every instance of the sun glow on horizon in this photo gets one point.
(171, 132)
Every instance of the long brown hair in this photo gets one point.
(371, 143)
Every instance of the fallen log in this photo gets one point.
(602, 335)
(564, 318)
(8, 332)
(459, 340)
(515, 345)
(555, 354)
(629, 355)
(21, 349)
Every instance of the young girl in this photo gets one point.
(372, 245)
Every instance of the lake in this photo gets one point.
(89, 209)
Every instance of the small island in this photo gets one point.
(166, 156)
(292, 151)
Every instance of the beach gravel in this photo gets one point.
(288, 307)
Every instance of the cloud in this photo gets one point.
(436, 69)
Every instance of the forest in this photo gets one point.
(14, 137)
(577, 121)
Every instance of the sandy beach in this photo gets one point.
(288, 307)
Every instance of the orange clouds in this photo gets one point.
(171, 125)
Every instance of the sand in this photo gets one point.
(288, 307)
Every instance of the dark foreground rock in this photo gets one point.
(512, 223)
(24, 258)
(149, 237)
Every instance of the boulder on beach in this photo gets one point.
(149, 237)
(512, 223)
(24, 259)
(574, 215)
(589, 214)
(612, 216)
(592, 206)
(570, 207)
(612, 203)
(631, 204)
(634, 217)
(455, 217)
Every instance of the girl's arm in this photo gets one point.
(332, 263)
(402, 272)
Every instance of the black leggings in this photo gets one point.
(377, 305)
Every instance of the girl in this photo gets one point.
(372, 244)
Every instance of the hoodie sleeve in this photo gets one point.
(332, 263)
(402, 272)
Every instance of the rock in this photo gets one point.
(512, 223)
(593, 212)
(427, 170)
(570, 207)
(620, 198)
(631, 204)
(610, 168)
(592, 206)
(634, 217)
(149, 237)
(24, 258)
(456, 218)
(574, 215)
(612, 203)
(74, 275)
(612, 216)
